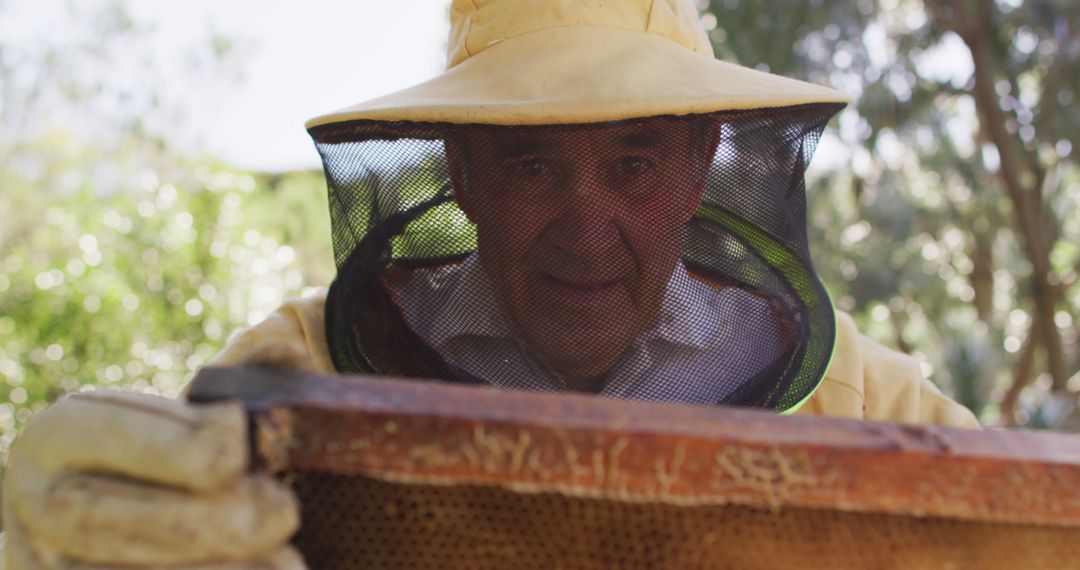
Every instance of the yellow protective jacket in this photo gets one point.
(864, 381)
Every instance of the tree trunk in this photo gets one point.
(1020, 175)
(1023, 374)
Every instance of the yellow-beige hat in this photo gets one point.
(543, 62)
(748, 321)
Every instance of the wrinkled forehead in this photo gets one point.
(659, 134)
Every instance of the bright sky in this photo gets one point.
(297, 59)
(306, 58)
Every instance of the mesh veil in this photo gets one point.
(662, 258)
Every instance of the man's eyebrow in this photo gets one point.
(640, 140)
(523, 147)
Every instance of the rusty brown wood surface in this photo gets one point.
(433, 433)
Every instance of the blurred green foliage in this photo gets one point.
(125, 261)
(914, 221)
(130, 270)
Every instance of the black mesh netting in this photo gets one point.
(660, 259)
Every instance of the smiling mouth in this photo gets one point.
(583, 291)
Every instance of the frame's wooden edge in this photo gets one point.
(595, 447)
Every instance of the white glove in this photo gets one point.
(112, 479)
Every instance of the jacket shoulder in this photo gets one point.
(293, 336)
(869, 381)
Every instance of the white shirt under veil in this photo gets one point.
(705, 344)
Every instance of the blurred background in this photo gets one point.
(158, 191)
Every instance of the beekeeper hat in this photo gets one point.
(546, 62)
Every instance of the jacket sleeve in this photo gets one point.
(897, 390)
(294, 337)
(869, 381)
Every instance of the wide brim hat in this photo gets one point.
(547, 62)
(571, 66)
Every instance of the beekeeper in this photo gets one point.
(585, 200)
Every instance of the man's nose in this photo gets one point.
(586, 223)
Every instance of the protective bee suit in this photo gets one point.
(865, 380)
(586, 200)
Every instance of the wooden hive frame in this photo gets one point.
(943, 495)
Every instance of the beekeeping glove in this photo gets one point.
(122, 480)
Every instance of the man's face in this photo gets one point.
(579, 230)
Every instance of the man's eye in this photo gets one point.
(533, 167)
(633, 165)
